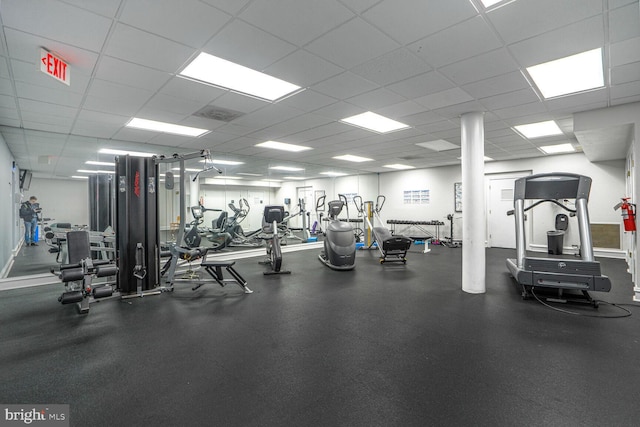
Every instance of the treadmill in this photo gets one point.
(561, 274)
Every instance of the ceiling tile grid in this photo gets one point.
(422, 62)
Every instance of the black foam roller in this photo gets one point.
(71, 297)
(71, 275)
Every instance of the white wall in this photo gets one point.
(62, 200)
(9, 219)
(608, 186)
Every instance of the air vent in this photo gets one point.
(414, 157)
(218, 113)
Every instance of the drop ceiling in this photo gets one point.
(420, 62)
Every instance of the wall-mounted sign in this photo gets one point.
(55, 67)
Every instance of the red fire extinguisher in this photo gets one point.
(628, 214)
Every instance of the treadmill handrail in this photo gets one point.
(573, 211)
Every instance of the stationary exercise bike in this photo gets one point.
(273, 215)
(339, 251)
(217, 236)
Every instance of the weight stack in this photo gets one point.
(136, 221)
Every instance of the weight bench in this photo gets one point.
(214, 268)
(392, 246)
(79, 273)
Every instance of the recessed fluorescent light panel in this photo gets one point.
(96, 163)
(575, 73)
(283, 146)
(144, 124)
(333, 173)
(286, 168)
(351, 158)
(249, 174)
(539, 130)
(374, 122)
(80, 176)
(294, 178)
(438, 145)
(226, 74)
(124, 153)
(398, 166)
(558, 149)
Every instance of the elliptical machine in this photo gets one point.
(339, 251)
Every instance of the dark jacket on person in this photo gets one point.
(28, 211)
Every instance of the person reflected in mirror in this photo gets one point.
(29, 213)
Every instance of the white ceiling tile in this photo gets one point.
(4, 68)
(107, 8)
(401, 109)
(139, 47)
(625, 73)
(179, 87)
(497, 85)
(247, 45)
(129, 74)
(60, 95)
(352, 43)
(160, 115)
(461, 41)
(522, 114)
(520, 20)
(421, 119)
(303, 69)
(291, 128)
(523, 96)
(339, 111)
(237, 102)
(623, 90)
(308, 100)
(45, 18)
(391, 67)
(456, 110)
(229, 6)
(45, 108)
(308, 135)
(480, 67)
(421, 85)
(625, 52)
(133, 135)
(624, 23)
(188, 22)
(267, 116)
(376, 99)
(344, 86)
(580, 37)
(359, 6)
(444, 99)
(175, 105)
(576, 102)
(410, 20)
(296, 20)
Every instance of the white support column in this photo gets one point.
(473, 203)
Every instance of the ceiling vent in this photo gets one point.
(414, 157)
(218, 113)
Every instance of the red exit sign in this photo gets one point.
(54, 66)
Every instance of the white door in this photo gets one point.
(501, 228)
